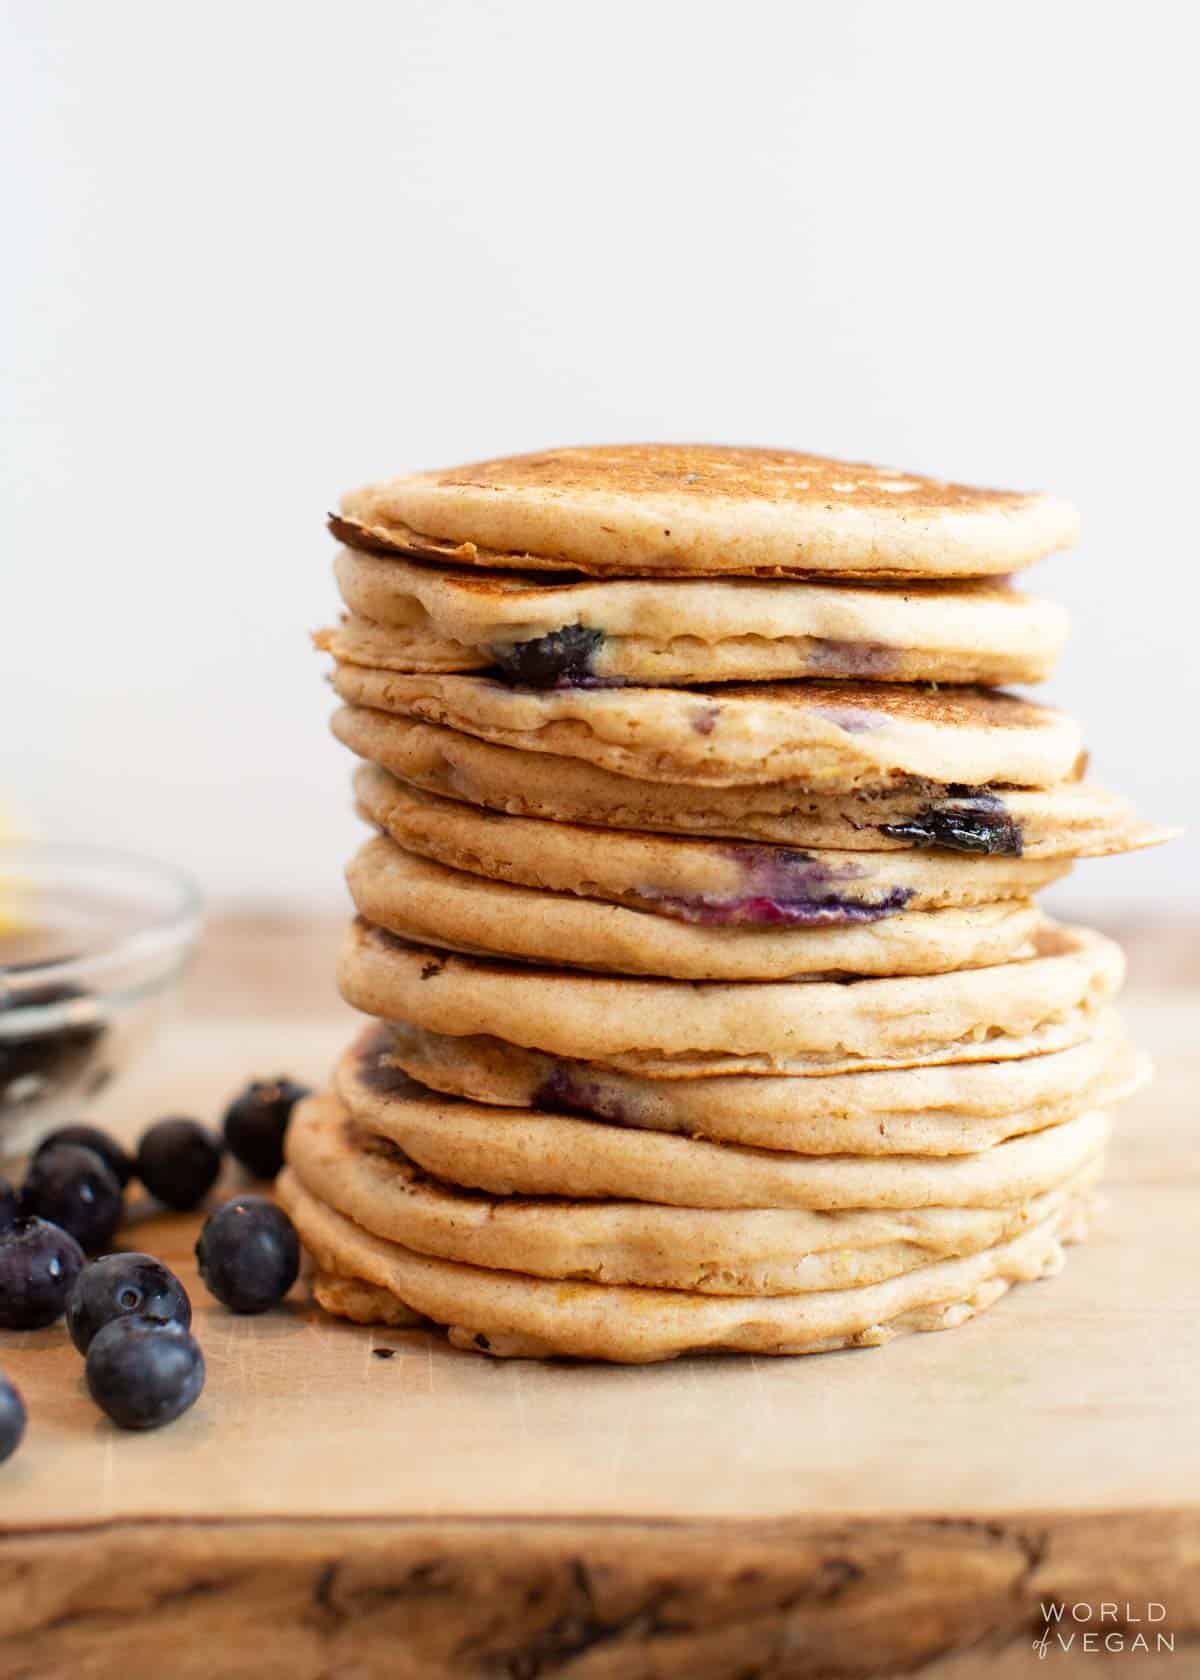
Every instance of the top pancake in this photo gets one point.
(677, 509)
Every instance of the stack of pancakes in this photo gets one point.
(713, 1010)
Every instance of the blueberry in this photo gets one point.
(144, 1373)
(38, 1267)
(563, 657)
(118, 1161)
(124, 1286)
(72, 1188)
(178, 1161)
(971, 821)
(9, 1206)
(249, 1254)
(256, 1121)
(12, 1419)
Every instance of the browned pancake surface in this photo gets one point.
(717, 473)
(642, 509)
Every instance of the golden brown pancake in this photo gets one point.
(830, 737)
(677, 1029)
(459, 911)
(722, 1250)
(718, 883)
(514, 1315)
(666, 509)
(408, 615)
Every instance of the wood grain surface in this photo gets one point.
(328, 1512)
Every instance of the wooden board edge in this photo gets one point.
(521, 1599)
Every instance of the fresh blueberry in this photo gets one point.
(249, 1254)
(144, 1373)
(118, 1161)
(124, 1286)
(178, 1161)
(71, 1187)
(256, 1121)
(9, 1206)
(12, 1419)
(38, 1267)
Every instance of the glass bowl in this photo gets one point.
(92, 943)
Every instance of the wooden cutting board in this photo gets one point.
(325, 1511)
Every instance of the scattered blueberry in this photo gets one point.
(249, 1254)
(71, 1187)
(12, 1419)
(118, 1161)
(178, 1161)
(9, 1206)
(144, 1373)
(38, 1267)
(125, 1286)
(256, 1121)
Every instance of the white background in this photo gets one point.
(256, 252)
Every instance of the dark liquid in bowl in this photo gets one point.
(50, 1030)
(45, 1044)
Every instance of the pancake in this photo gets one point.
(510, 1314)
(456, 911)
(713, 883)
(681, 509)
(417, 617)
(1071, 819)
(757, 1251)
(829, 737)
(363, 1303)
(680, 1029)
(953, 1109)
(525, 1152)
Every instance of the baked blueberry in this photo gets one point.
(249, 1254)
(38, 1267)
(562, 659)
(12, 1419)
(970, 821)
(256, 1122)
(71, 1187)
(144, 1373)
(125, 1286)
(118, 1161)
(9, 1206)
(178, 1161)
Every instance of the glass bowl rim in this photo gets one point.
(176, 924)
